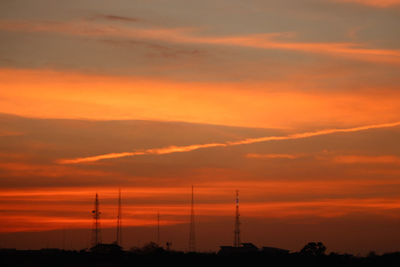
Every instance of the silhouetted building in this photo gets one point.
(274, 251)
(249, 247)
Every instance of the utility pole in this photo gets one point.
(192, 237)
(236, 242)
(96, 230)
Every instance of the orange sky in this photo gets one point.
(294, 103)
(282, 105)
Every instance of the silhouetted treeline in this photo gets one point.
(313, 254)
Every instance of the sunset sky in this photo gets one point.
(295, 103)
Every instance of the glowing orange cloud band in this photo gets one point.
(374, 3)
(175, 149)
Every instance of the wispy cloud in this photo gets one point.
(350, 159)
(275, 41)
(10, 133)
(374, 3)
(152, 151)
(176, 149)
(18, 169)
(325, 156)
(160, 50)
(273, 156)
(116, 18)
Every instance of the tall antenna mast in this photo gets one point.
(192, 237)
(119, 220)
(96, 230)
(236, 241)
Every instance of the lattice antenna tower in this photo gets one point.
(236, 240)
(96, 229)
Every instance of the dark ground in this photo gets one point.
(54, 257)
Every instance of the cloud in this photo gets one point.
(343, 159)
(175, 149)
(139, 215)
(350, 159)
(277, 41)
(53, 208)
(152, 151)
(4, 133)
(374, 3)
(116, 18)
(160, 50)
(292, 103)
(18, 169)
(273, 156)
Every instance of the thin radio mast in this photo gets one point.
(236, 242)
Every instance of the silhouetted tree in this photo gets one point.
(313, 249)
(148, 249)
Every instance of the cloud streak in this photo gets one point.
(268, 41)
(117, 18)
(188, 148)
(272, 156)
(351, 159)
(10, 133)
(373, 3)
